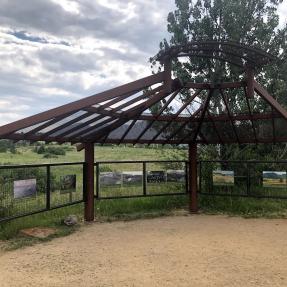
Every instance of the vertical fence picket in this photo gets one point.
(144, 178)
(48, 188)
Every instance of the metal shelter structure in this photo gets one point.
(161, 110)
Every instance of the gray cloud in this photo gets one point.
(56, 51)
(94, 20)
(51, 55)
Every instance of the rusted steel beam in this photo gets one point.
(250, 82)
(158, 115)
(175, 116)
(91, 128)
(167, 76)
(210, 141)
(91, 110)
(251, 114)
(208, 86)
(47, 124)
(221, 51)
(273, 128)
(208, 56)
(214, 126)
(204, 109)
(143, 96)
(250, 54)
(75, 128)
(229, 115)
(217, 118)
(127, 131)
(134, 112)
(181, 127)
(89, 182)
(112, 114)
(168, 119)
(270, 100)
(192, 155)
(66, 125)
(80, 104)
(203, 137)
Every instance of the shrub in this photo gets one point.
(56, 150)
(49, 155)
(51, 150)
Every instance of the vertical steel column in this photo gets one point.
(200, 177)
(193, 206)
(248, 179)
(144, 178)
(186, 178)
(48, 188)
(97, 180)
(89, 202)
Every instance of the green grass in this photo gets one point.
(105, 210)
(25, 155)
(10, 231)
(124, 209)
(245, 207)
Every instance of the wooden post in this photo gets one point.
(193, 206)
(89, 185)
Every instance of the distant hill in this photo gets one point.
(274, 175)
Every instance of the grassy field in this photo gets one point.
(25, 155)
(125, 209)
(105, 210)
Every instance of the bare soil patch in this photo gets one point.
(39, 232)
(188, 251)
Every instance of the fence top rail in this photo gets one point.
(40, 165)
(243, 161)
(141, 161)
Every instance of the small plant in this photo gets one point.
(49, 155)
(49, 151)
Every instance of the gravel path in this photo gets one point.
(188, 251)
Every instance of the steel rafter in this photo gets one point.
(229, 115)
(175, 116)
(158, 115)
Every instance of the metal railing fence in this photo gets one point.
(35, 188)
(256, 179)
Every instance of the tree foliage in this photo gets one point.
(250, 22)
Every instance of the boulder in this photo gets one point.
(71, 220)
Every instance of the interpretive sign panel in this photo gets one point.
(25, 188)
(156, 176)
(68, 183)
(223, 177)
(110, 178)
(274, 179)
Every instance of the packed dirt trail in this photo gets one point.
(196, 250)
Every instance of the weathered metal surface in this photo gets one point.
(113, 116)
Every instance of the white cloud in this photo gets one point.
(55, 51)
(68, 5)
(282, 10)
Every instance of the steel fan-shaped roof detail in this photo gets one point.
(159, 109)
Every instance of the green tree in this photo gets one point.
(250, 22)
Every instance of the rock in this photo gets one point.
(71, 220)
(39, 232)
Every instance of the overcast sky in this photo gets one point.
(56, 51)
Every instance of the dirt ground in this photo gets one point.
(171, 251)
